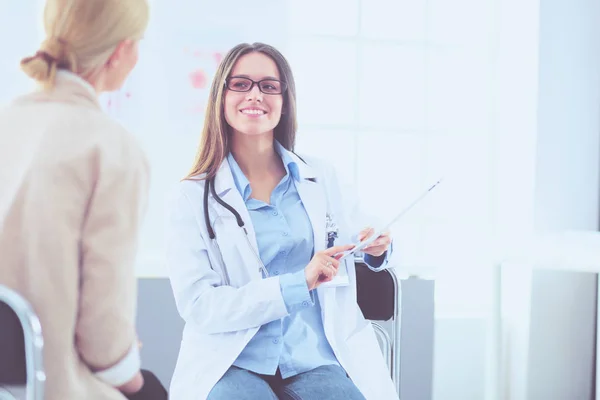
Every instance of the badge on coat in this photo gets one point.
(332, 230)
(341, 279)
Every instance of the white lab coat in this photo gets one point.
(223, 298)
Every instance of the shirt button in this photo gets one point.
(285, 233)
(276, 341)
(276, 272)
(275, 213)
(305, 303)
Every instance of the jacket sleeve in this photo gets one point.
(201, 293)
(105, 329)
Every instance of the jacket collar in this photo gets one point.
(72, 87)
(64, 78)
(306, 172)
(68, 88)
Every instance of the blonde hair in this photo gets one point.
(81, 35)
(214, 141)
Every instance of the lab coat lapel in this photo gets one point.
(314, 197)
(312, 194)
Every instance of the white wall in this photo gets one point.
(560, 188)
(563, 305)
(16, 16)
(568, 178)
(459, 363)
(461, 355)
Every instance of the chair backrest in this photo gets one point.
(376, 293)
(21, 345)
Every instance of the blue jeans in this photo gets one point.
(327, 382)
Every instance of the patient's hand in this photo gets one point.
(134, 385)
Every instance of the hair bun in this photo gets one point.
(55, 48)
(54, 53)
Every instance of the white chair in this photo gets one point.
(21, 346)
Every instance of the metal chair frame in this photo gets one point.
(391, 341)
(34, 342)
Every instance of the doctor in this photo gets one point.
(252, 235)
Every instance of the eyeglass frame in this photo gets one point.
(284, 85)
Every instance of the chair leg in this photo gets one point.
(384, 338)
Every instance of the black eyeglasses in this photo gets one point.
(266, 86)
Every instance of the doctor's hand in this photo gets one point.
(323, 267)
(379, 245)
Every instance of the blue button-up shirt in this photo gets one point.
(284, 235)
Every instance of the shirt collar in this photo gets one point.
(241, 182)
(291, 167)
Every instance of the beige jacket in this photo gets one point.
(73, 188)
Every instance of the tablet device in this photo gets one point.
(368, 240)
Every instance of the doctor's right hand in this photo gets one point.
(323, 267)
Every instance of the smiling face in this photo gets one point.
(253, 112)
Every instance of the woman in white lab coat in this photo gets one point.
(253, 237)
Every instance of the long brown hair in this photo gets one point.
(214, 142)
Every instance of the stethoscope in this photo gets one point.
(209, 186)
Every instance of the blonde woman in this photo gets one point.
(253, 238)
(74, 191)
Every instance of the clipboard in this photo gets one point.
(341, 279)
(367, 241)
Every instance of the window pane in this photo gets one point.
(317, 17)
(402, 20)
(392, 87)
(325, 73)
